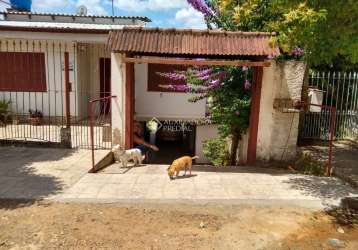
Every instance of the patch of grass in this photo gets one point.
(4, 111)
(306, 164)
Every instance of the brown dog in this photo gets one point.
(182, 163)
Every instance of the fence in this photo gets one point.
(45, 87)
(335, 89)
(98, 109)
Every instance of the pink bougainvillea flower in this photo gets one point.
(214, 84)
(175, 76)
(247, 85)
(237, 113)
(201, 73)
(201, 6)
(204, 77)
(245, 68)
(298, 52)
(221, 74)
(182, 87)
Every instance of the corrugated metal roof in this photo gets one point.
(142, 18)
(191, 42)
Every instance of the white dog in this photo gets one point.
(126, 155)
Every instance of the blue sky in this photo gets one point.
(163, 13)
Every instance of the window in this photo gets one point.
(155, 81)
(22, 71)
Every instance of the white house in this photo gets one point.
(33, 47)
(58, 63)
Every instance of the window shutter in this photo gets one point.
(22, 72)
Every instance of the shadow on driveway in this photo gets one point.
(320, 187)
(29, 174)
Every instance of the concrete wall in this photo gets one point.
(162, 105)
(278, 131)
(118, 104)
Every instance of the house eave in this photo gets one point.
(55, 30)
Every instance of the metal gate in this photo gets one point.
(339, 90)
(45, 88)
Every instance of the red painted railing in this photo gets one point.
(106, 108)
(332, 129)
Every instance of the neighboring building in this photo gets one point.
(32, 47)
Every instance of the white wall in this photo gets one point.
(162, 105)
(68, 37)
(278, 131)
(88, 72)
(204, 133)
(118, 104)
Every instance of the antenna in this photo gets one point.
(112, 8)
(81, 10)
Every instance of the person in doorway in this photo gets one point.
(139, 142)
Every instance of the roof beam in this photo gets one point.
(173, 61)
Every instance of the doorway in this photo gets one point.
(105, 83)
(173, 142)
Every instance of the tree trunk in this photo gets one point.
(235, 139)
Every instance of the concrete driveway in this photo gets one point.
(58, 174)
(37, 173)
(150, 183)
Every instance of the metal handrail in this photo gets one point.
(90, 108)
(332, 128)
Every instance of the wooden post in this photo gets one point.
(254, 116)
(67, 89)
(129, 105)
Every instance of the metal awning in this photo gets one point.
(192, 43)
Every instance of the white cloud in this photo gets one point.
(44, 5)
(190, 18)
(93, 6)
(3, 6)
(50, 4)
(149, 5)
(185, 15)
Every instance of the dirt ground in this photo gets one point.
(166, 226)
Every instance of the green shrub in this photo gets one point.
(4, 111)
(217, 151)
(306, 164)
